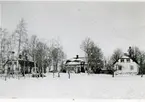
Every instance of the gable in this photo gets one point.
(125, 58)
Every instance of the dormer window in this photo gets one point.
(128, 60)
(122, 60)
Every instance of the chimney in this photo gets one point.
(77, 56)
(12, 55)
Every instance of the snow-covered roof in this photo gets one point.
(77, 60)
(124, 56)
(73, 63)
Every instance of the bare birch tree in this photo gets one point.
(134, 53)
(33, 48)
(57, 55)
(115, 57)
(142, 63)
(94, 55)
(20, 36)
(139, 57)
(4, 46)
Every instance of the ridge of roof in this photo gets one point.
(124, 58)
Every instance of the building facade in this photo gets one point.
(20, 64)
(76, 65)
(125, 65)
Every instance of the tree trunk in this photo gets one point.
(69, 73)
(35, 67)
(24, 69)
(42, 69)
(53, 73)
(58, 74)
(56, 69)
(18, 70)
(113, 74)
(142, 73)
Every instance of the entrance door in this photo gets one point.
(82, 70)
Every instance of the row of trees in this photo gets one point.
(96, 61)
(43, 54)
(134, 53)
(93, 55)
(51, 54)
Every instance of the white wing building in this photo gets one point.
(125, 65)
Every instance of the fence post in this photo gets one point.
(113, 73)
(69, 73)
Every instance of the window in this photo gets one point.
(122, 60)
(128, 60)
(119, 67)
(131, 67)
(15, 63)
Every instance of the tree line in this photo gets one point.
(43, 54)
(51, 54)
(96, 61)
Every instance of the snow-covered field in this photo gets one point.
(80, 86)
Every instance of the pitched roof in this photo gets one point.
(75, 61)
(125, 56)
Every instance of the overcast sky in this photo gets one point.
(111, 25)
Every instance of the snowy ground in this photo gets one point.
(80, 86)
